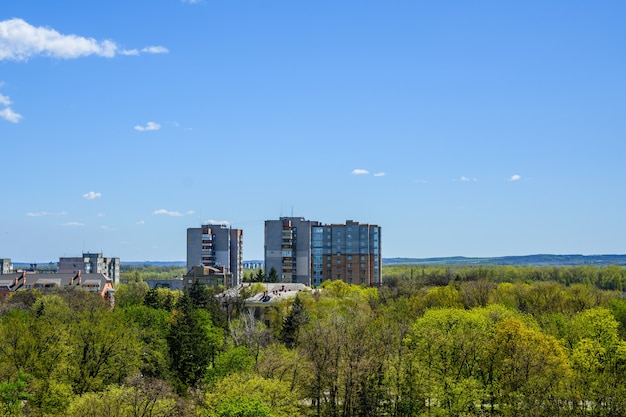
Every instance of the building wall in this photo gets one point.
(349, 252)
(216, 246)
(6, 267)
(91, 263)
(288, 248)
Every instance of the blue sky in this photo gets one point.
(472, 128)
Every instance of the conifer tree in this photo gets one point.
(291, 324)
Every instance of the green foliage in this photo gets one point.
(131, 293)
(12, 395)
(436, 340)
(241, 407)
(273, 275)
(236, 359)
(291, 324)
(276, 395)
(193, 343)
(151, 272)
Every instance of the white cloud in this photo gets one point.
(148, 126)
(147, 50)
(5, 100)
(155, 50)
(20, 41)
(46, 213)
(191, 1)
(141, 222)
(379, 174)
(515, 177)
(164, 212)
(190, 212)
(360, 172)
(107, 228)
(7, 113)
(467, 179)
(91, 195)
(220, 222)
(73, 224)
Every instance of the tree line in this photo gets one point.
(477, 344)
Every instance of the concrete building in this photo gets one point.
(310, 252)
(288, 248)
(216, 246)
(6, 267)
(91, 263)
(350, 252)
(209, 276)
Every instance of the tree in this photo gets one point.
(259, 276)
(530, 370)
(193, 342)
(12, 395)
(277, 396)
(291, 324)
(241, 407)
(273, 275)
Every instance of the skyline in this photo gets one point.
(477, 130)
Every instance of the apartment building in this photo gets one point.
(91, 263)
(6, 267)
(216, 246)
(288, 248)
(310, 252)
(350, 252)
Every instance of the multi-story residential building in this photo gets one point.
(288, 248)
(214, 245)
(310, 252)
(6, 267)
(350, 252)
(91, 263)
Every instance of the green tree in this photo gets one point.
(193, 342)
(290, 329)
(13, 394)
(273, 275)
(259, 276)
(276, 395)
(241, 407)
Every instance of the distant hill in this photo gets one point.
(153, 263)
(529, 260)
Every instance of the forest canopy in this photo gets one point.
(432, 341)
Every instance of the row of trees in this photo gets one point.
(468, 348)
(611, 277)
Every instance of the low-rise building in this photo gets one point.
(96, 283)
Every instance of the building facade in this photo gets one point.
(6, 267)
(350, 252)
(288, 248)
(310, 252)
(216, 246)
(91, 263)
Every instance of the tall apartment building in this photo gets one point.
(288, 248)
(6, 267)
(310, 252)
(91, 263)
(350, 252)
(214, 245)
